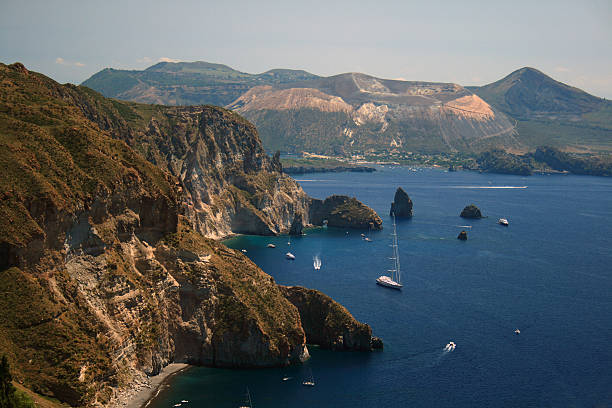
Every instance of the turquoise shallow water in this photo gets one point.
(549, 274)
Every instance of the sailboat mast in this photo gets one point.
(396, 273)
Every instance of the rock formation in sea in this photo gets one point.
(343, 212)
(401, 205)
(471, 211)
(462, 236)
(108, 271)
(327, 323)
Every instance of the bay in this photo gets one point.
(549, 274)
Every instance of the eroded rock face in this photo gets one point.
(401, 205)
(343, 212)
(327, 323)
(471, 211)
(105, 279)
(297, 225)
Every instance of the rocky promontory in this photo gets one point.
(108, 269)
(471, 211)
(327, 323)
(343, 212)
(401, 205)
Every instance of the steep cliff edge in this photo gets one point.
(103, 278)
(327, 323)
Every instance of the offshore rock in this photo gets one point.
(377, 343)
(471, 211)
(343, 212)
(401, 205)
(462, 236)
(328, 323)
(297, 225)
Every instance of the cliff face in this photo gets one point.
(326, 322)
(103, 278)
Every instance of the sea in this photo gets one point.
(548, 274)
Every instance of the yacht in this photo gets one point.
(248, 403)
(393, 279)
(271, 246)
(309, 382)
(450, 346)
(290, 256)
(517, 331)
(503, 221)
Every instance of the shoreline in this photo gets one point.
(146, 394)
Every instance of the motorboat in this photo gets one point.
(503, 221)
(290, 256)
(271, 246)
(450, 346)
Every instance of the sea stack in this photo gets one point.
(462, 236)
(401, 205)
(471, 211)
(297, 225)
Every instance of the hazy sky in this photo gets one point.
(467, 42)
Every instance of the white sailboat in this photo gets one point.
(309, 382)
(248, 403)
(393, 279)
(317, 262)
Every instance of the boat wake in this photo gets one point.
(493, 187)
(316, 262)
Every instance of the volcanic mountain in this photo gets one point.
(550, 112)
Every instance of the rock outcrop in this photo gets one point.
(343, 212)
(327, 323)
(297, 225)
(471, 211)
(401, 205)
(462, 236)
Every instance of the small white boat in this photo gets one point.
(362, 235)
(271, 246)
(503, 221)
(287, 378)
(450, 346)
(244, 251)
(290, 256)
(316, 262)
(367, 239)
(184, 401)
(517, 331)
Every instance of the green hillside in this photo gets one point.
(550, 112)
(186, 83)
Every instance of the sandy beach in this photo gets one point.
(144, 391)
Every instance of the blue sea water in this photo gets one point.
(549, 274)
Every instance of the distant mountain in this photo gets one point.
(551, 112)
(186, 83)
(354, 112)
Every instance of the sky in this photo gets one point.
(466, 42)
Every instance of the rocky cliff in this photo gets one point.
(105, 271)
(327, 323)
